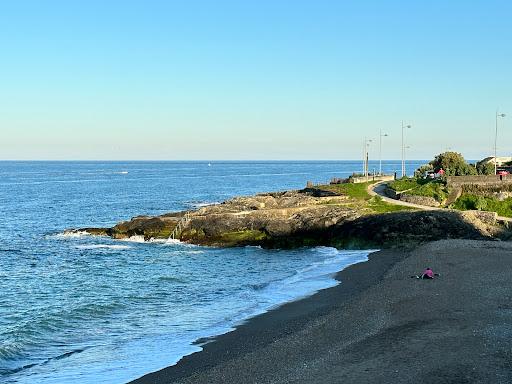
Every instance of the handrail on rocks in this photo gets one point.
(176, 232)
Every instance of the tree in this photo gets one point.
(485, 168)
(453, 164)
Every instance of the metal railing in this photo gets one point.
(176, 232)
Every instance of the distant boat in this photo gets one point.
(123, 172)
(209, 164)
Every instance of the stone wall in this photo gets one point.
(420, 200)
(487, 181)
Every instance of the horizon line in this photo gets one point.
(205, 160)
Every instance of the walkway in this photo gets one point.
(378, 189)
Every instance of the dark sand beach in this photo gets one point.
(378, 326)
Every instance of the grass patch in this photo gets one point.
(377, 205)
(421, 187)
(469, 201)
(357, 191)
(361, 199)
(404, 184)
(433, 189)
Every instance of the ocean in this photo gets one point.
(83, 309)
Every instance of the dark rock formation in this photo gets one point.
(304, 218)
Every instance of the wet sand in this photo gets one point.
(378, 326)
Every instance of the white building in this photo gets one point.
(499, 160)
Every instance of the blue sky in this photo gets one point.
(252, 80)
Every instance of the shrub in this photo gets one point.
(485, 168)
(470, 201)
(452, 163)
(481, 203)
(421, 187)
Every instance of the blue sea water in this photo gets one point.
(83, 309)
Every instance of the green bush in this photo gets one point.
(470, 201)
(452, 163)
(485, 168)
(434, 189)
(481, 203)
(404, 184)
(421, 187)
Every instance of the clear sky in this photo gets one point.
(252, 79)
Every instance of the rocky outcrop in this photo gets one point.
(410, 228)
(303, 218)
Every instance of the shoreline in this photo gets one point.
(288, 317)
(377, 326)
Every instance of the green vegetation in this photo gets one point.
(469, 201)
(358, 192)
(421, 187)
(240, 237)
(406, 183)
(377, 205)
(435, 189)
(485, 168)
(354, 190)
(453, 164)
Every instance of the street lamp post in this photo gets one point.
(381, 135)
(502, 115)
(365, 157)
(403, 148)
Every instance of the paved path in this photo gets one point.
(377, 189)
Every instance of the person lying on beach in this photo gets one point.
(427, 274)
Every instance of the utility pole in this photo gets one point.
(403, 148)
(365, 157)
(380, 150)
(502, 115)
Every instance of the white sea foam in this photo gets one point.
(71, 234)
(200, 204)
(309, 280)
(135, 239)
(102, 246)
(172, 242)
(194, 252)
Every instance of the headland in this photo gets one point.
(339, 215)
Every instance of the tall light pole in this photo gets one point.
(365, 156)
(496, 141)
(381, 135)
(403, 148)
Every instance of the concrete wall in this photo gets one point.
(372, 178)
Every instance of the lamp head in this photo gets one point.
(502, 115)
